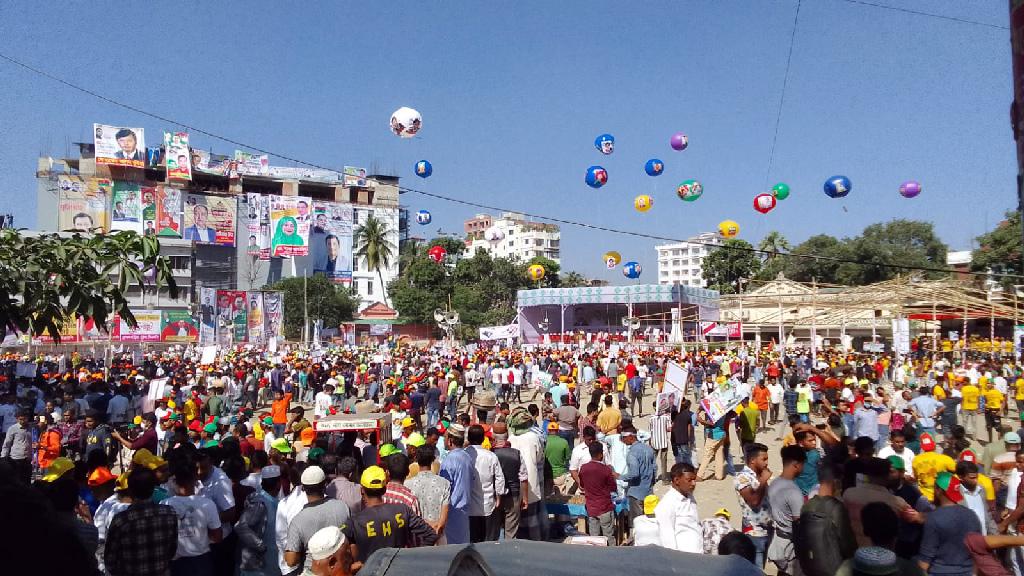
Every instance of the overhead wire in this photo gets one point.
(928, 14)
(782, 95)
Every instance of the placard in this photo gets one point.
(119, 146)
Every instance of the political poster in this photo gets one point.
(82, 203)
(126, 207)
(210, 219)
(252, 164)
(290, 219)
(147, 330)
(720, 402)
(255, 317)
(210, 163)
(232, 314)
(258, 225)
(68, 333)
(273, 310)
(330, 241)
(119, 146)
(161, 211)
(177, 158)
(207, 315)
(675, 379)
(178, 326)
(354, 176)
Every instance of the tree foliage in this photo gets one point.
(1000, 250)
(329, 302)
(726, 266)
(50, 278)
(372, 243)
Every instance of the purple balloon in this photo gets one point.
(910, 188)
(679, 141)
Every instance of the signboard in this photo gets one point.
(126, 207)
(726, 329)
(177, 158)
(209, 355)
(675, 379)
(118, 146)
(330, 241)
(499, 332)
(380, 329)
(901, 336)
(68, 333)
(210, 219)
(231, 312)
(354, 177)
(273, 308)
(255, 317)
(219, 164)
(207, 315)
(874, 347)
(178, 326)
(252, 164)
(257, 224)
(290, 219)
(161, 211)
(82, 204)
(147, 330)
(720, 402)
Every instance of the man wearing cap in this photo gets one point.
(557, 453)
(148, 438)
(331, 553)
(942, 545)
(115, 503)
(928, 464)
(645, 528)
(487, 488)
(640, 470)
(142, 539)
(457, 468)
(256, 525)
(319, 512)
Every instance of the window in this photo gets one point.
(369, 287)
(538, 242)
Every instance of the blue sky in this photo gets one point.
(514, 94)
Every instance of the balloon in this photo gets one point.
(631, 270)
(643, 203)
(535, 272)
(605, 143)
(690, 190)
(596, 176)
(406, 122)
(437, 253)
(764, 203)
(424, 169)
(679, 141)
(612, 259)
(910, 188)
(728, 229)
(654, 167)
(493, 234)
(780, 191)
(838, 186)
(423, 217)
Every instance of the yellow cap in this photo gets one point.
(122, 482)
(373, 478)
(58, 468)
(650, 503)
(137, 420)
(723, 512)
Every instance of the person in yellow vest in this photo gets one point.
(993, 409)
(1018, 396)
(969, 406)
(928, 464)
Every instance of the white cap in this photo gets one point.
(325, 542)
(269, 472)
(313, 475)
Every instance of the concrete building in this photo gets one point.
(681, 263)
(513, 236)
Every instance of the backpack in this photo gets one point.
(818, 540)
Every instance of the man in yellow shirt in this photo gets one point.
(1019, 394)
(993, 408)
(969, 406)
(928, 464)
(610, 417)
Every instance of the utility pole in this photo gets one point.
(814, 321)
(305, 308)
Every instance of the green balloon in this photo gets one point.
(780, 191)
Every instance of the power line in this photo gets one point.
(928, 14)
(488, 207)
(782, 96)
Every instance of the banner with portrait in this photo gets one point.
(178, 326)
(126, 207)
(250, 164)
(147, 330)
(273, 310)
(89, 330)
(82, 203)
(258, 225)
(255, 317)
(68, 330)
(210, 219)
(290, 220)
(330, 241)
(207, 315)
(231, 313)
(119, 146)
(177, 158)
(354, 176)
(161, 211)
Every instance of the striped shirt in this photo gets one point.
(399, 494)
(660, 431)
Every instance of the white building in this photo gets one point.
(512, 236)
(680, 263)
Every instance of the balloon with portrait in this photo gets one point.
(728, 229)
(643, 203)
(764, 203)
(631, 270)
(437, 253)
(406, 122)
(536, 272)
(612, 259)
(910, 188)
(424, 169)
(679, 141)
(690, 190)
(654, 167)
(838, 186)
(780, 191)
(423, 217)
(596, 176)
(605, 143)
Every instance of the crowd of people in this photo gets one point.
(162, 464)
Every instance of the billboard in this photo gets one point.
(257, 224)
(290, 219)
(178, 326)
(82, 203)
(231, 313)
(273, 310)
(119, 146)
(219, 164)
(255, 317)
(126, 207)
(210, 219)
(252, 164)
(330, 241)
(148, 329)
(68, 333)
(207, 315)
(161, 211)
(177, 157)
(354, 176)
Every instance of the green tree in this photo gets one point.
(773, 241)
(49, 278)
(903, 242)
(551, 272)
(329, 302)
(574, 280)
(726, 265)
(1000, 250)
(801, 267)
(372, 243)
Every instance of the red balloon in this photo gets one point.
(764, 203)
(437, 253)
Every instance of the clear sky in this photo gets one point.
(513, 95)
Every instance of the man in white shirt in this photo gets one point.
(117, 408)
(775, 392)
(581, 455)
(676, 514)
(322, 402)
(485, 516)
(199, 525)
(898, 447)
(515, 374)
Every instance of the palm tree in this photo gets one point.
(773, 243)
(371, 240)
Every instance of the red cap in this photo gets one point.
(968, 456)
(196, 426)
(949, 485)
(927, 442)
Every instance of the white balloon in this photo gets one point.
(406, 122)
(494, 235)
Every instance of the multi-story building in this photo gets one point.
(682, 262)
(513, 236)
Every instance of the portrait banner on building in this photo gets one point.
(82, 203)
(330, 241)
(119, 146)
(290, 219)
(126, 207)
(231, 313)
(250, 164)
(161, 211)
(177, 158)
(178, 326)
(68, 333)
(210, 219)
(273, 310)
(255, 317)
(354, 176)
(207, 315)
(258, 225)
(147, 330)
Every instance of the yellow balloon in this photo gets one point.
(643, 203)
(612, 258)
(535, 271)
(728, 229)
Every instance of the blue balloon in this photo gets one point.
(654, 167)
(424, 169)
(631, 270)
(605, 143)
(838, 186)
(423, 217)
(596, 176)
